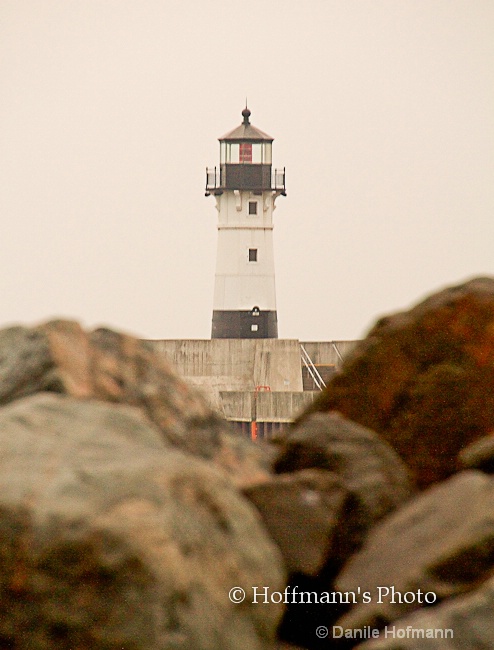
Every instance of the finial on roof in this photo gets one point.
(246, 114)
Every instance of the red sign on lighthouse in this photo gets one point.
(245, 152)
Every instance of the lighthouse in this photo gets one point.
(245, 188)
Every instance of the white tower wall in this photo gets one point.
(245, 260)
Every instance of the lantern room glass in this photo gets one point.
(266, 153)
(257, 153)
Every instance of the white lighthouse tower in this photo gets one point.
(245, 188)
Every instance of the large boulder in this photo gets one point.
(424, 379)
(463, 623)
(438, 545)
(311, 516)
(317, 523)
(61, 357)
(335, 480)
(110, 538)
(366, 465)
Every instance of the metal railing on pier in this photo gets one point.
(312, 370)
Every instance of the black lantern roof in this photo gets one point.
(246, 132)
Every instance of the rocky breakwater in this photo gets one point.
(130, 516)
(406, 431)
(121, 520)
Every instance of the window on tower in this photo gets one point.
(252, 207)
(252, 254)
(233, 153)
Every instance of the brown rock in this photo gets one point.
(110, 538)
(424, 379)
(441, 543)
(116, 367)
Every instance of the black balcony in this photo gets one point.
(252, 177)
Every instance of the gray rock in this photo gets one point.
(310, 515)
(24, 361)
(479, 455)
(106, 365)
(470, 619)
(110, 538)
(441, 543)
(367, 465)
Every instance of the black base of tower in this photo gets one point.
(253, 324)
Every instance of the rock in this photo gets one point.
(424, 379)
(106, 365)
(316, 522)
(439, 543)
(336, 479)
(111, 538)
(479, 455)
(365, 464)
(310, 515)
(25, 359)
(468, 618)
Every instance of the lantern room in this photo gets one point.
(245, 161)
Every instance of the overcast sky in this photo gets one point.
(382, 113)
